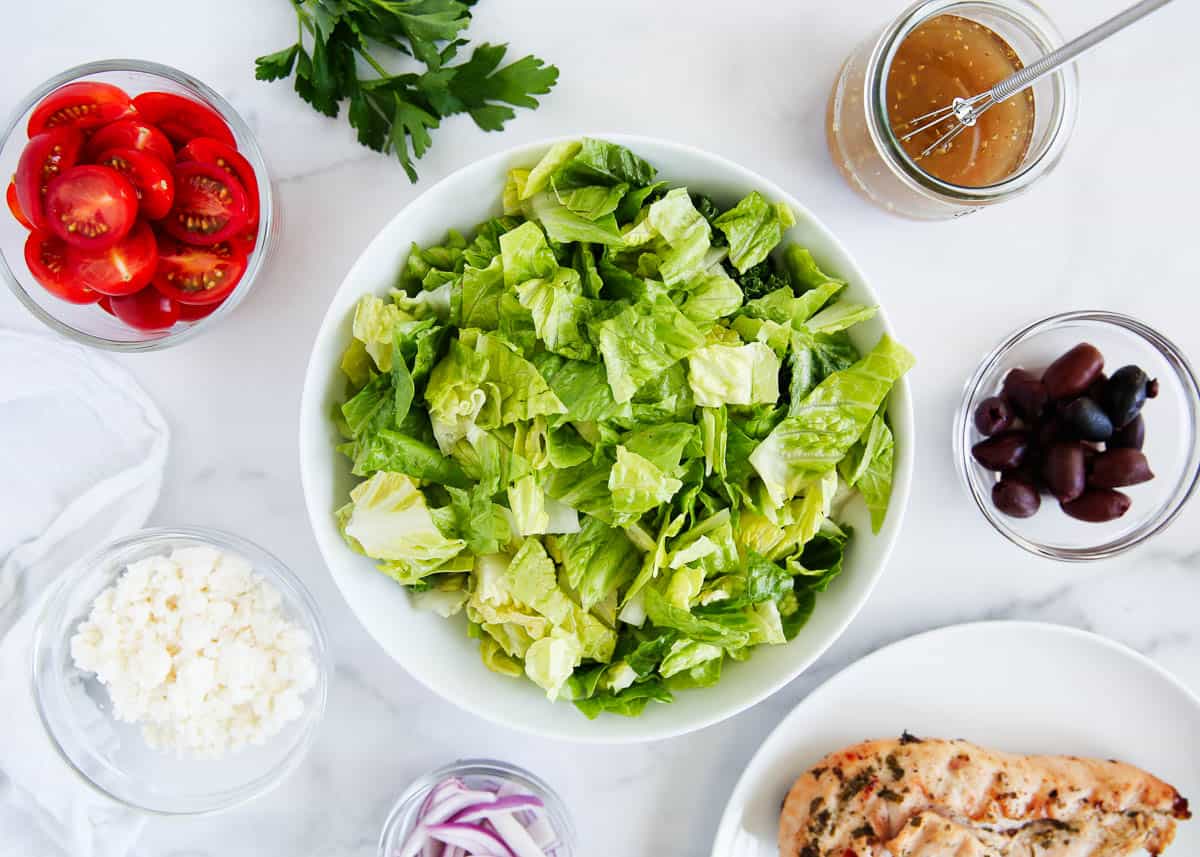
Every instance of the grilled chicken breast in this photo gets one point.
(934, 798)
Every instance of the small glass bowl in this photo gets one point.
(480, 773)
(89, 323)
(1172, 422)
(112, 756)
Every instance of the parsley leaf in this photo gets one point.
(394, 113)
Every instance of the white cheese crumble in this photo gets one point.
(195, 647)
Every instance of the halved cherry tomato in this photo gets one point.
(105, 303)
(125, 268)
(182, 118)
(206, 150)
(245, 240)
(83, 104)
(48, 258)
(197, 275)
(130, 134)
(148, 309)
(14, 205)
(151, 180)
(195, 312)
(44, 158)
(210, 204)
(91, 207)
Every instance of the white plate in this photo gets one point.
(1022, 687)
(436, 651)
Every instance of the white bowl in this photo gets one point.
(437, 651)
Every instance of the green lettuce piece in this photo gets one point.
(356, 364)
(362, 409)
(720, 631)
(641, 341)
(771, 333)
(555, 158)
(632, 605)
(630, 702)
(564, 225)
(663, 444)
(734, 375)
(638, 485)
(526, 255)
(486, 244)
(592, 202)
(531, 579)
(665, 397)
(391, 521)
(584, 263)
(784, 307)
(598, 162)
(560, 313)
(631, 204)
(813, 358)
(596, 561)
(684, 586)
(802, 268)
(839, 316)
(444, 602)
(514, 188)
(387, 450)
(584, 488)
(827, 423)
(582, 388)
(869, 466)
(497, 660)
(714, 434)
(821, 560)
(479, 297)
(550, 661)
(687, 654)
(455, 394)
(519, 389)
(754, 227)
(711, 294)
(374, 320)
(795, 609)
(717, 530)
(528, 504)
(686, 233)
(477, 520)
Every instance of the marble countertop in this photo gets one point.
(1114, 227)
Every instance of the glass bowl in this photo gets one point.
(88, 323)
(112, 756)
(1172, 419)
(479, 773)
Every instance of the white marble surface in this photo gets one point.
(1114, 227)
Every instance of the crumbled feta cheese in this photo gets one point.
(195, 647)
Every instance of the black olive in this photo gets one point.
(1124, 394)
(1085, 420)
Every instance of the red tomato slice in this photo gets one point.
(151, 180)
(197, 275)
(105, 303)
(195, 312)
(48, 258)
(14, 205)
(91, 207)
(210, 205)
(148, 309)
(206, 150)
(130, 134)
(44, 158)
(83, 104)
(125, 268)
(182, 118)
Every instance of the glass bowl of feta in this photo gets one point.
(181, 671)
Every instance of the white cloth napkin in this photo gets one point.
(82, 453)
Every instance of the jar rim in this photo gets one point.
(1035, 23)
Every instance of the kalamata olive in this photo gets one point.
(1094, 389)
(1131, 436)
(1074, 372)
(1064, 471)
(993, 415)
(1003, 452)
(1015, 496)
(1097, 505)
(1124, 394)
(1025, 393)
(1086, 420)
(1117, 468)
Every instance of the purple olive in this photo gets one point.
(1025, 393)
(1016, 497)
(993, 416)
(1097, 505)
(1125, 393)
(1117, 468)
(1131, 436)
(1003, 452)
(1096, 388)
(1074, 372)
(1065, 471)
(1086, 420)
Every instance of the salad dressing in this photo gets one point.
(950, 57)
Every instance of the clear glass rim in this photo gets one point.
(1062, 120)
(280, 575)
(250, 151)
(393, 828)
(1186, 485)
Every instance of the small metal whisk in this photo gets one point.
(966, 111)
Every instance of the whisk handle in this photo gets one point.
(1013, 84)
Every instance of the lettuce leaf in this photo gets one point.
(734, 375)
(869, 467)
(754, 227)
(641, 342)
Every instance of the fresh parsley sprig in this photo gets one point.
(395, 112)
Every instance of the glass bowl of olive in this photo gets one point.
(1077, 435)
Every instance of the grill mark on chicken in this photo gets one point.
(934, 798)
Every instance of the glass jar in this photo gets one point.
(869, 155)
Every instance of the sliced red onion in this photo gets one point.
(541, 831)
(506, 805)
(515, 836)
(441, 810)
(476, 840)
(453, 851)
